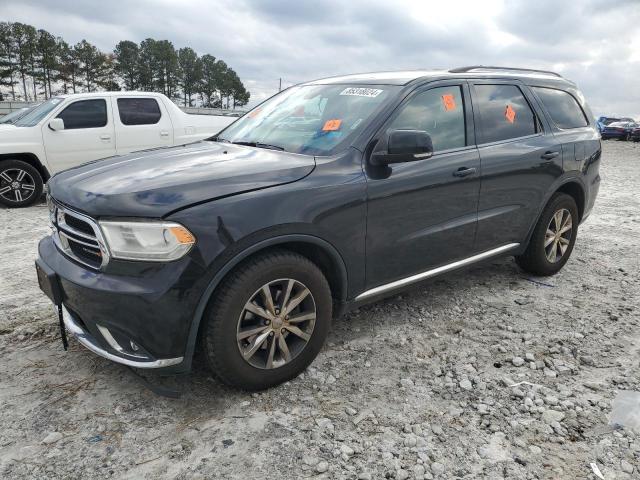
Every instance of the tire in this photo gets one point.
(227, 319)
(536, 258)
(20, 184)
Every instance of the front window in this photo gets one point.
(310, 119)
(38, 113)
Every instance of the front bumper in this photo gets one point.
(138, 361)
(138, 315)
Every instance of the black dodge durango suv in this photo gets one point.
(328, 195)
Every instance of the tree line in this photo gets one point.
(35, 65)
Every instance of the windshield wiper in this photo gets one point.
(260, 145)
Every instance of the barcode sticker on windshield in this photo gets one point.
(361, 92)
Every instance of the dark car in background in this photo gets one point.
(331, 194)
(635, 133)
(618, 130)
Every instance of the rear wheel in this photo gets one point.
(20, 184)
(268, 321)
(553, 238)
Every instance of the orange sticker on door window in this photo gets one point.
(332, 125)
(510, 114)
(449, 102)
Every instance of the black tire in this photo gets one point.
(20, 183)
(222, 318)
(534, 260)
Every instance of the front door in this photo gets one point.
(88, 134)
(423, 214)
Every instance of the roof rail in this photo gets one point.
(485, 67)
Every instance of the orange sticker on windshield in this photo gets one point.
(254, 113)
(449, 102)
(510, 114)
(332, 125)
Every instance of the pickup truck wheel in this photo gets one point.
(267, 321)
(553, 237)
(20, 184)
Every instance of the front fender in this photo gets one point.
(239, 257)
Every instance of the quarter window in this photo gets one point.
(504, 112)
(563, 108)
(440, 113)
(85, 114)
(138, 111)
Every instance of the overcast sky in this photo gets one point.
(596, 43)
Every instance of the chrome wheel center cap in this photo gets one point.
(15, 185)
(277, 323)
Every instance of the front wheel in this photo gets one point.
(21, 184)
(553, 237)
(268, 320)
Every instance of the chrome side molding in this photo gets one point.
(435, 271)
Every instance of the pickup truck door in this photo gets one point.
(88, 134)
(141, 123)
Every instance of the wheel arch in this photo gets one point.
(573, 187)
(317, 250)
(30, 158)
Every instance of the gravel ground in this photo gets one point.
(484, 373)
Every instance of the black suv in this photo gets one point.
(330, 194)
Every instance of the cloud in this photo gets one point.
(597, 45)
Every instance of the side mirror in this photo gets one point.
(404, 146)
(56, 124)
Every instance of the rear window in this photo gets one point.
(563, 108)
(138, 111)
(504, 113)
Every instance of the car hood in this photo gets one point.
(154, 183)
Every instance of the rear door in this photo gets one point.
(520, 160)
(570, 126)
(423, 214)
(88, 134)
(141, 123)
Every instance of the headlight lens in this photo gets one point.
(147, 241)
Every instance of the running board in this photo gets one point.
(431, 273)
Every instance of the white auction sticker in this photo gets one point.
(361, 92)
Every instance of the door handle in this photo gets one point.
(164, 133)
(105, 137)
(549, 155)
(464, 171)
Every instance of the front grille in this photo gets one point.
(78, 236)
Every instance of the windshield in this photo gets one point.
(38, 113)
(310, 119)
(13, 116)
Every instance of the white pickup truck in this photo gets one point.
(68, 130)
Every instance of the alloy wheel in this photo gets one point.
(558, 236)
(276, 323)
(16, 185)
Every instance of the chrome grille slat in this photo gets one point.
(69, 239)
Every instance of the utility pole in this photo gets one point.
(280, 86)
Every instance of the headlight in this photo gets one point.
(153, 241)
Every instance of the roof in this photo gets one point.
(405, 77)
(122, 93)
